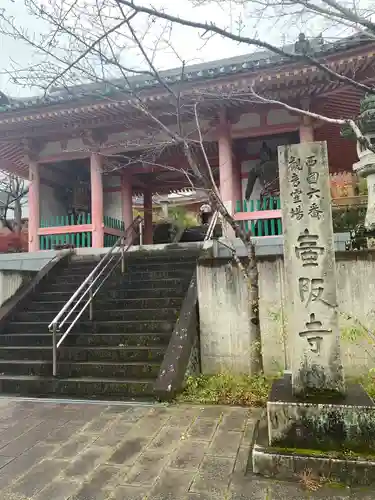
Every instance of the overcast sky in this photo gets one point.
(186, 42)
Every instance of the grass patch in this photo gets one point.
(344, 454)
(226, 389)
(368, 382)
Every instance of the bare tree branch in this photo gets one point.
(13, 192)
(87, 44)
(212, 28)
(336, 121)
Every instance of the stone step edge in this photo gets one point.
(137, 263)
(78, 379)
(90, 363)
(150, 310)
(120, 290)
(152, 334)
(107, 300)
(114, 321)
(83, 347)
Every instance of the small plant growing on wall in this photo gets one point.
(279, 318)
(355, 332)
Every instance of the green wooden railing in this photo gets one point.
(79, 239)
(109, 240)
(113, 223)
(265, 227)
(66, 220)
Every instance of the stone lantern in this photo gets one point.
(365, 167)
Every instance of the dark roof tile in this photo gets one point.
(198, 72)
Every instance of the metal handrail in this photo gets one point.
(211, 226)
(172, 370)
(90, 287)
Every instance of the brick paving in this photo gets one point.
(76, 451)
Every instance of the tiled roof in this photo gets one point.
(194, 73)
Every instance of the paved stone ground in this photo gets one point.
(98, 452)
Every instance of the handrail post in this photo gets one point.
(91, 305)
(123, 255)
(140, 234)
(87, 289)
(54, 350)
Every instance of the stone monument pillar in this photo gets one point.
(309, 261)
(312, 413)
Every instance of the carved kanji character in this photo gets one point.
(311, 161)
(294, 164)
(296, 195)
(308, 250)
(315, 211)
(296, 212)
(314, 333)
(310, 290)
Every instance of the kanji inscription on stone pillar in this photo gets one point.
(309, 261)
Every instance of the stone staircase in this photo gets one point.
(115, 356)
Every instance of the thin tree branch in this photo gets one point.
(212, 28)
(336, 121)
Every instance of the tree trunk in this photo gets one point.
(250, 274)
(17, 217)
(256, 361)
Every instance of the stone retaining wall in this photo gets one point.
(224, 318)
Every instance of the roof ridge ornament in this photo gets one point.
(4, 99)
(302, 45)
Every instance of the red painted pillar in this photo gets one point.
(227, 178)
(127, 198)
(237, 185)
(147, 207)
(97, 201)
(306, 130)
(34, 208)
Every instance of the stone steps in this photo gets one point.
(103, 315)
(85, 387)
(141, 326)
(88, 339)
(83, 353)
(132, 277)
(133, 266)
(118, 354)
(110, 304)
(137, 284)
(115, 294)
(102, 369)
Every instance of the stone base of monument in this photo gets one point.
(335, 439)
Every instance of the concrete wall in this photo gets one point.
(10, 282)
(224, 318)
(27, 261)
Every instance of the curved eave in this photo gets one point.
(279, 77)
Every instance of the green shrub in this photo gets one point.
(226, 389)
(368, 382)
